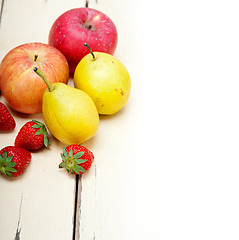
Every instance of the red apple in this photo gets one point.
(75, 27)
(20, 85)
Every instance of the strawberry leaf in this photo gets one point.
(63, 157)
(42, 130)
(62, 165)
(65, 152)
(46, 140)
(9, 174)
(11, 164)
(9, 159)
(78, 155)
(82, 169)
(37, 122)
(36, 126)
(76, 169)
(4, 156)
(71, 153)
(39, 132)
(79, 161)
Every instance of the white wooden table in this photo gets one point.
(166, 166)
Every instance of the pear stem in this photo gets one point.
(40, 73)
(86, 44)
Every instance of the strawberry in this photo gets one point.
(76, 159)
(7, 122)
(32, 136)
(14, 160)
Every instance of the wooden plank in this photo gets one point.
(40, 204)
(166, 165)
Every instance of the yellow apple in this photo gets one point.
(105, 79)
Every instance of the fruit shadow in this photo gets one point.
(26, 116)
(115, 115)
(18, 114)
(11, 179)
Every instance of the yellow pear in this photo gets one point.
(69, 113)
(105, 79)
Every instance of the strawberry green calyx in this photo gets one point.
(6, 165)
(42, 130)
(71, 163)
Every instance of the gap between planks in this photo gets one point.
(87, 3)
(77, 208)
(76, 212)
(18, 231)
(1, 11)
(78, 190)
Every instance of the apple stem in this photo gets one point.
(35, 57)
(86, 44)
(40, 73)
